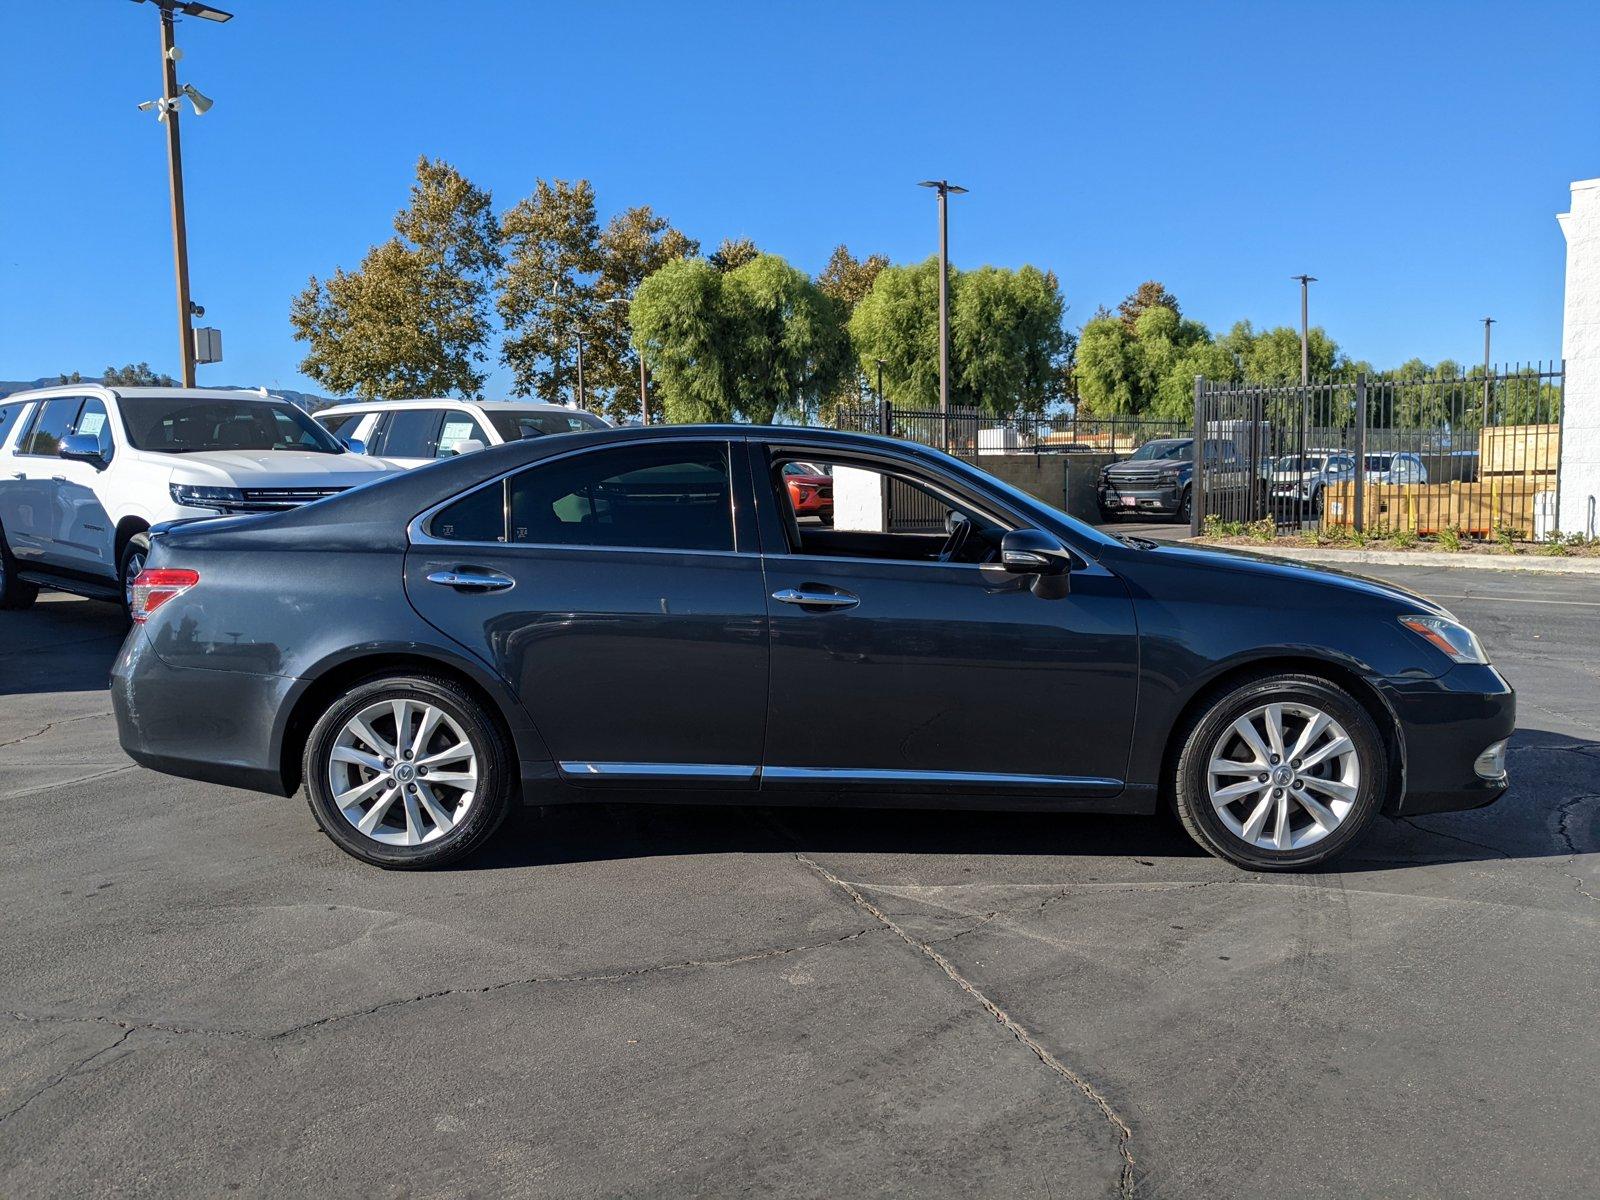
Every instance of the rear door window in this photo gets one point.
(674, 496)
(410, 433)
(10, 414)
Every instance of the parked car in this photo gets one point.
(810, 490)
(504, 626)
(1157, 479)
(86, 471)
(410, 433)
(1297, 479)
(1381, 468)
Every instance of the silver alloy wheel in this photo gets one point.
(129, 573)
(1283, 776)
(403, 772)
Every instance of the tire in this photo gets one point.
(14, 592)
(405, 834)
(1347, 785)
(130, 561)
(1185, 513)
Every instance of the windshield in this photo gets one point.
(185, 424)
(1164, 448)
(514, 426)
(1341, 462)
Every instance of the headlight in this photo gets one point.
(193, 496)
(1450, 638)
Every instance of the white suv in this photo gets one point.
(85, 471)
(410, 433)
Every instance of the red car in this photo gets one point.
(810, 491)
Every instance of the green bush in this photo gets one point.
(1449, 538)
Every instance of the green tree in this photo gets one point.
(847, 278)
(413, 319)
(752, 343)
(567, 278)
(1149, 294)
(1146, 369)
(132, 375)
(72, 378)
(1008, 349)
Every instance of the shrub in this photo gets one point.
(1449, 538)
(1264, 530)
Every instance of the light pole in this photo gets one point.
(945, 188)
(168, 112)
(1305, 362)
(1487, 322)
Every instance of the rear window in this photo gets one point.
(513, 426)
(10, 414)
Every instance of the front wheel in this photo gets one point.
(1185, 513)
(129, 564)
(15, 592)
(408, 772)
(1280, 773)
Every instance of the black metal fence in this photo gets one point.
(1475, 455)
(970, 432)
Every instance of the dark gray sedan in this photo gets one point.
(641, 613)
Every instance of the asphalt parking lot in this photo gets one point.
(201, 994)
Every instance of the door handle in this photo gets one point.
(468, 580)
(807, 599)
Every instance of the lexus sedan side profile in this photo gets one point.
(638, 612)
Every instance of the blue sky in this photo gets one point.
(1410, 155)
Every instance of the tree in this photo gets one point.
(848, 279)
(72, 378)
(1149, 294)
(1008, 350)
(567, 278)
(132, 375)
(734, 253)
(752, 343)
(1146, 368)
(413, 319)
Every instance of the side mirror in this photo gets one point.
(80, 447)
(1034, 552)
(353, 445)
(468, 446)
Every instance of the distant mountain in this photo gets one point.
(306, 400)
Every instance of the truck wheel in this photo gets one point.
(14, 592)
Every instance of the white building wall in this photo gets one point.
(1580, 346)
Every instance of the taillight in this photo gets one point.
(154, 587)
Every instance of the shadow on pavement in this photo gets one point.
(61, 644)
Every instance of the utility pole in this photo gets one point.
(945, 188)
(169, 113)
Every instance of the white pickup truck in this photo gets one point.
(85, 471)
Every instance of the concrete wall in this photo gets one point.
(1064, 481)
(1580, 345)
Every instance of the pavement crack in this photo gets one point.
(982, 921)
(83, 1066)
(548, 980)
(49, 725)
(60, 783)
(1456, 837)
(1124, 1132)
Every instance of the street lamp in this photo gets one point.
(1487, 321)
(945, 188)
(1305, 364)
(167, 112)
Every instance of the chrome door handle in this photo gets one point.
(815, 599)
(467, 580)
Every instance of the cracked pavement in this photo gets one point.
(201, 994)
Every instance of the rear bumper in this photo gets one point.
(1446, 723)
(167, 716)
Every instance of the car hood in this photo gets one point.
(809, 480)
(1259, 566)
(1148, 466)
(275, 468)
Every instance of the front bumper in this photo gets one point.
(1139, 497)
(217, 726)
(1446, 723)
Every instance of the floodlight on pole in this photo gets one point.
(945, 189)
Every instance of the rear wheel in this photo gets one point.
(408, 772)
(1281, 772)
(14, 592)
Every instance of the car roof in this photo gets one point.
(437, 401)
(133, 393)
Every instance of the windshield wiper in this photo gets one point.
(1137, 542)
